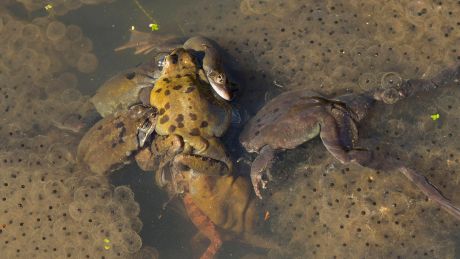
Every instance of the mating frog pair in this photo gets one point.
(183, 108)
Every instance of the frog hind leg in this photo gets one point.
(205, 226)
(330, 136)
(424, 185)
(430, 191)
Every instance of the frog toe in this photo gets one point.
(258, 182)
(145, 159)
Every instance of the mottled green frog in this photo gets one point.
(188, 107)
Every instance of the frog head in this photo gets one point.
(219, 82)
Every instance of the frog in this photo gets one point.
(212, 64)
(188, 107)
(128, 87)
(116, 139)
(221, 207)
(207, 51)
(119, 93)
(191, 118)
(297, 116)
(73, 122)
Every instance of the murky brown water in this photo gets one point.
(318, 208)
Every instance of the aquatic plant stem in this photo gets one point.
(142, 9)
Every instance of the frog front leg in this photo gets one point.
(158, 157)
(161, 151)
(204, 225)
(212, 160)
(260, 166)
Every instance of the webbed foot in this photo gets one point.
(260, 167)
(257, 182)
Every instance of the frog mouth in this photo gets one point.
(221, 90)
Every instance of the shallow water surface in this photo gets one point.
(52, 61)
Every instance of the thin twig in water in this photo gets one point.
(142, 9)
(180, 27)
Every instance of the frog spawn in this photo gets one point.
(59, 7)
(348, 29)
(334, 47)
(340, 211)
(60, 201)
(312, 41)
(42, 41)
(51, 208)
(33, 78)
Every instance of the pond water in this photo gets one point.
(55, 55)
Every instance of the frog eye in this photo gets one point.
(216, 76)
(221, 78)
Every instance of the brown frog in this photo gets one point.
(221, 207)
(113, 141)
(295, 117)
(128, 87)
